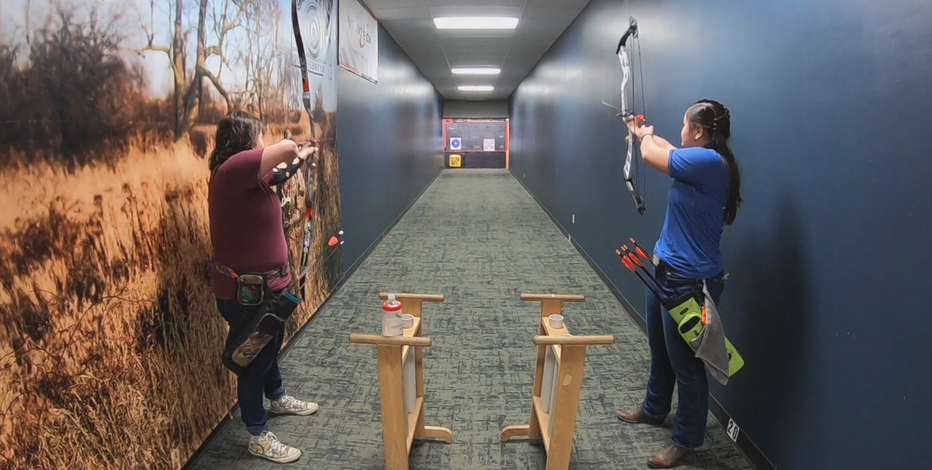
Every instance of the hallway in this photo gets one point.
(477, 237)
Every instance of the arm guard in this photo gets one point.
(283, 171)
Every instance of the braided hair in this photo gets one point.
(715, 119)
(236, 132)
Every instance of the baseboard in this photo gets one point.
(199, 453)
(747, 446)
(743, 441)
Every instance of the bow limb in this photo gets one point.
(626, 73)
(311, 188)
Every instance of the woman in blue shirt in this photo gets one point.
(703, 199)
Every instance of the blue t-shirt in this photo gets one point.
(695, 216)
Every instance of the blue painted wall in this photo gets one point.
(390, 139)
(830, 256)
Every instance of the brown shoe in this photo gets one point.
(637, 417)
(671, 456)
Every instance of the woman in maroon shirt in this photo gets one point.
(247, 234)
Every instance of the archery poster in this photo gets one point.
(317, 28)
(359, 40)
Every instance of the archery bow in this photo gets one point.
(312, 173)
(627, 114)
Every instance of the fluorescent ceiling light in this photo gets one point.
(476, 70)
(476, 88)
(472, 22)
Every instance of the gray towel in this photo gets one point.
(710, 345)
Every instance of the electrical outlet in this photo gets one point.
(574, 219)
(524, 175)
(732, 430)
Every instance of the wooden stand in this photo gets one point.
(401, 383)
(557, 382)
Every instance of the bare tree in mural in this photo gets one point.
(188, 87)
(263, 65)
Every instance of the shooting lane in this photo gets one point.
(110, 330)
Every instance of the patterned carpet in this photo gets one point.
(480, 239)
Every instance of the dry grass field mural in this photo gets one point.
(109, 333)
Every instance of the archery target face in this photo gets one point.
(314, 31)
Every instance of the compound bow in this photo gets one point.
(627, 114)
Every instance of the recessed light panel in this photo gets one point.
(476, 70)
(476, 88)
(476, 22)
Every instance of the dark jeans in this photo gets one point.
(262, 376)
(673, 362)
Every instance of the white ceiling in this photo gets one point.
(435, 52)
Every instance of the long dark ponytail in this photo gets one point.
(716, 120)
(236, 132)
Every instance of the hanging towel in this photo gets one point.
(710, 345)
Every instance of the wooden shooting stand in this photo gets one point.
(401, 383)
(558, 382)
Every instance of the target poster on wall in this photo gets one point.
(456, 143)
(318, 20)
(488, 145)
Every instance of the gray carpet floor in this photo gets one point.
(477, 237)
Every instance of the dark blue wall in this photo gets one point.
(390, 139)
(831, 255)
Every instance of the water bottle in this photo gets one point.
(391, 317)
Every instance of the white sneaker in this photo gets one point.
(288, 405)
(267, 446)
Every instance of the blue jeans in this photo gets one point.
(673, 362)
(262, 377)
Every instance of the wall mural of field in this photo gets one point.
(109, 334)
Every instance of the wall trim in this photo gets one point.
(199, 453)
(744, 443)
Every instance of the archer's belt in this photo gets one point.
(268, 275)
(666, 277)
